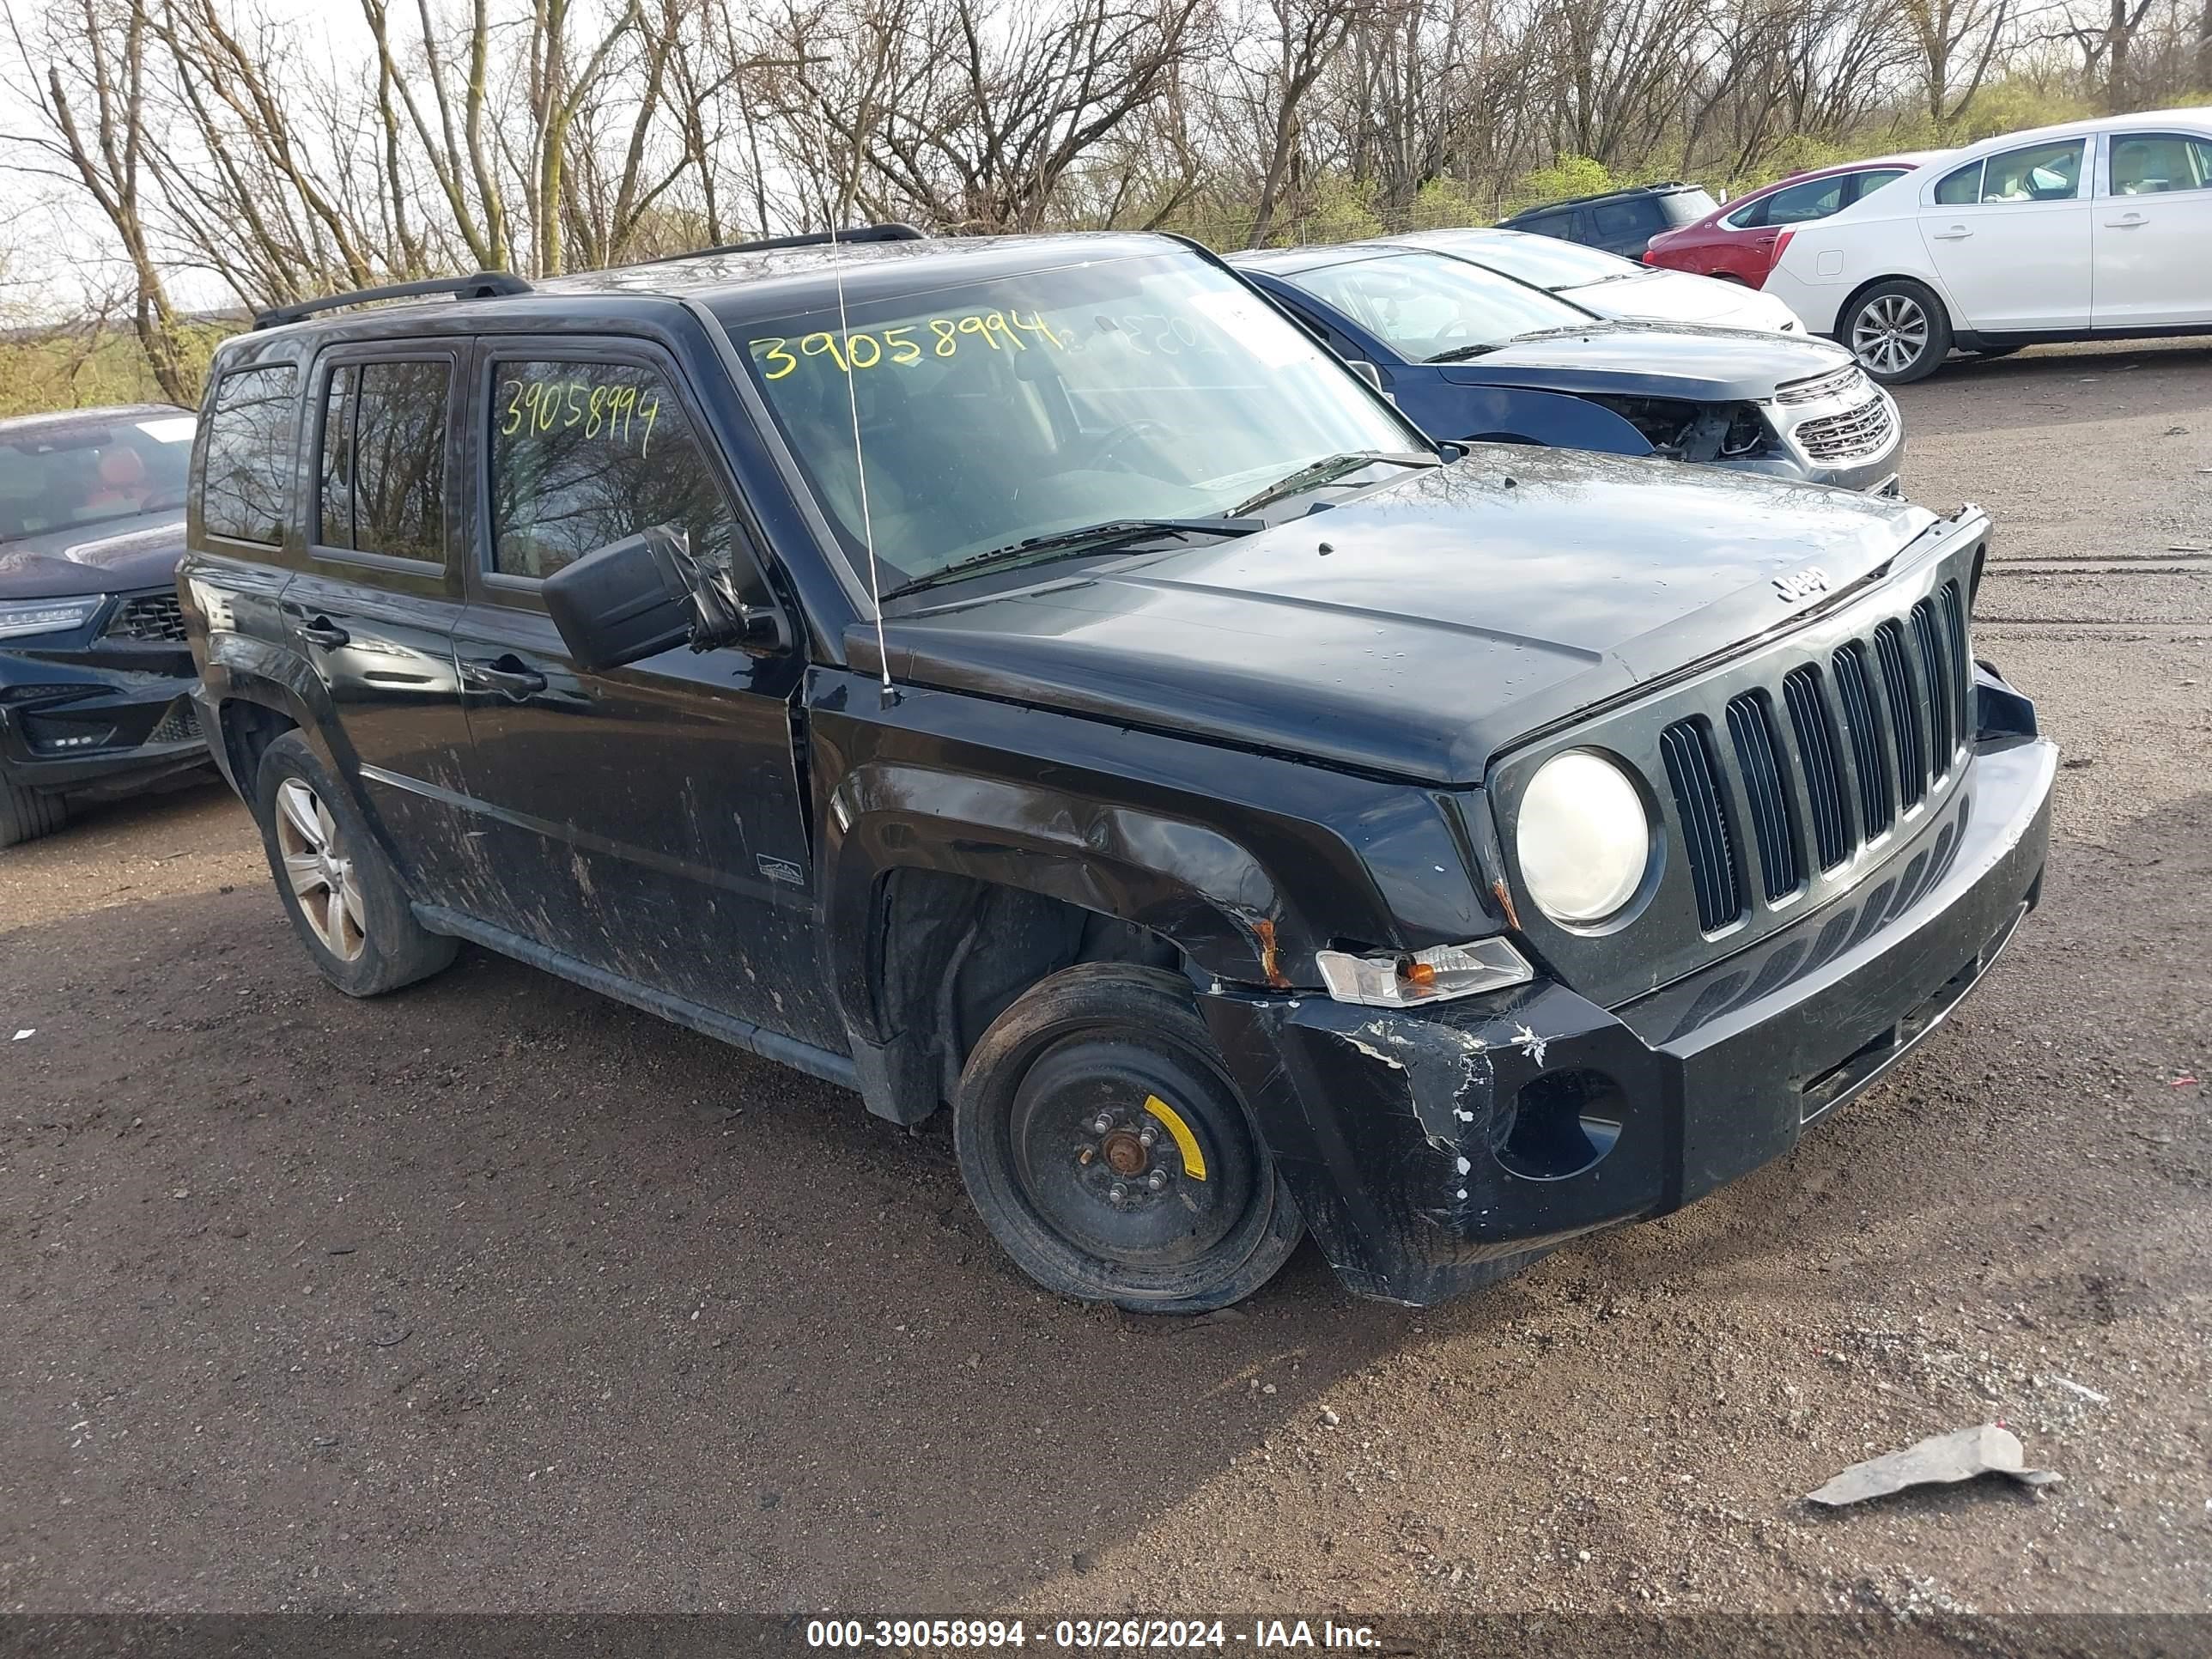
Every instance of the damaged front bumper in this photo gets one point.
(1424, 1145)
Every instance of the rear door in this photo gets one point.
(374, 606)
(2153, 230)
(2009, 236)
(649, 820)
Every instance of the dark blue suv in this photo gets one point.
(1471, 354)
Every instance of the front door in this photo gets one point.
(2009, 236)
(374, 606)
(2154, 231)
(649, 820)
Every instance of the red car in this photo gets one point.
(1740, 242)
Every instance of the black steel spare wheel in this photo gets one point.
(1106, 1148)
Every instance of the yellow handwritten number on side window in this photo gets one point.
(621, 414)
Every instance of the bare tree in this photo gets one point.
(85, 77)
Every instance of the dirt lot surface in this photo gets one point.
(495, 1294)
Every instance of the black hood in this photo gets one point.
(1706, 365)
(1457, 610)
(115, 556)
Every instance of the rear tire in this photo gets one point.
(1898, 330)
(344, 899)
(1106, 1149)
(28, 814)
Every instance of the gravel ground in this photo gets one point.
(497, 1295)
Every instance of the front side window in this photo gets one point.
(584, 454)
(59, 476)
(2039, 173)
(2152, 164)
(995, 409)
(1799, 204)
(382, 465)
(1428, 306)
(246, 487)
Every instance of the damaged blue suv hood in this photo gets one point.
(1418, 630)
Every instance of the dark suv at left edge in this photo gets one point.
(95, 677)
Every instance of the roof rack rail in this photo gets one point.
(1600, 195)
(484, 285)
(894, 231)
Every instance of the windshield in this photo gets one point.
(63, 476)
(1544, 260)
(996, 410)
(1425, 306)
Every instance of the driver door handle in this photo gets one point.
(326, 633)
(1956, 234)
(2128, 223)
(505, 675)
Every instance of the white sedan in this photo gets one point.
(2094, 230)
(1607, 283)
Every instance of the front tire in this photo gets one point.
(28, 814)
(344, 899)
(1898, 331)
(1101, 1137)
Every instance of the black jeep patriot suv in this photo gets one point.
(1031, 674)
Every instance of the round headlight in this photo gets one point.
(1584, 838)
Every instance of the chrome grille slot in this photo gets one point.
(1901, 702)
(1824, 772)
(1960, 678)
(1855, 432)
(1838, 383)
(1703, 819)
(1936, 673)
(1877, 805)
(1758, 764)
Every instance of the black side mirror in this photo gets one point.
(645, 594)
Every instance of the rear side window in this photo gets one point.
(1548, 224)
(1873, 179)
(382, 465)
(586, 453)
(1961, 187)
(2151, 164)
(1634, 216)
(246, 487)
(1686, 207)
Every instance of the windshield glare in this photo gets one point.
(73, 475)
(996, 410)
(1544, 260)
(1425, 305)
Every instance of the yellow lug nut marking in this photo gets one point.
(1194, 1161)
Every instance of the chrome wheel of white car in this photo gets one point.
(321, 875)
(1891, 333)
(1898, 331)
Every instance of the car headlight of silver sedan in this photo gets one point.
(1584, 839)
(21, 617)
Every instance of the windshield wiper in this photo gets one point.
(1330, 466)
(1460, 354)
(1083, 539)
